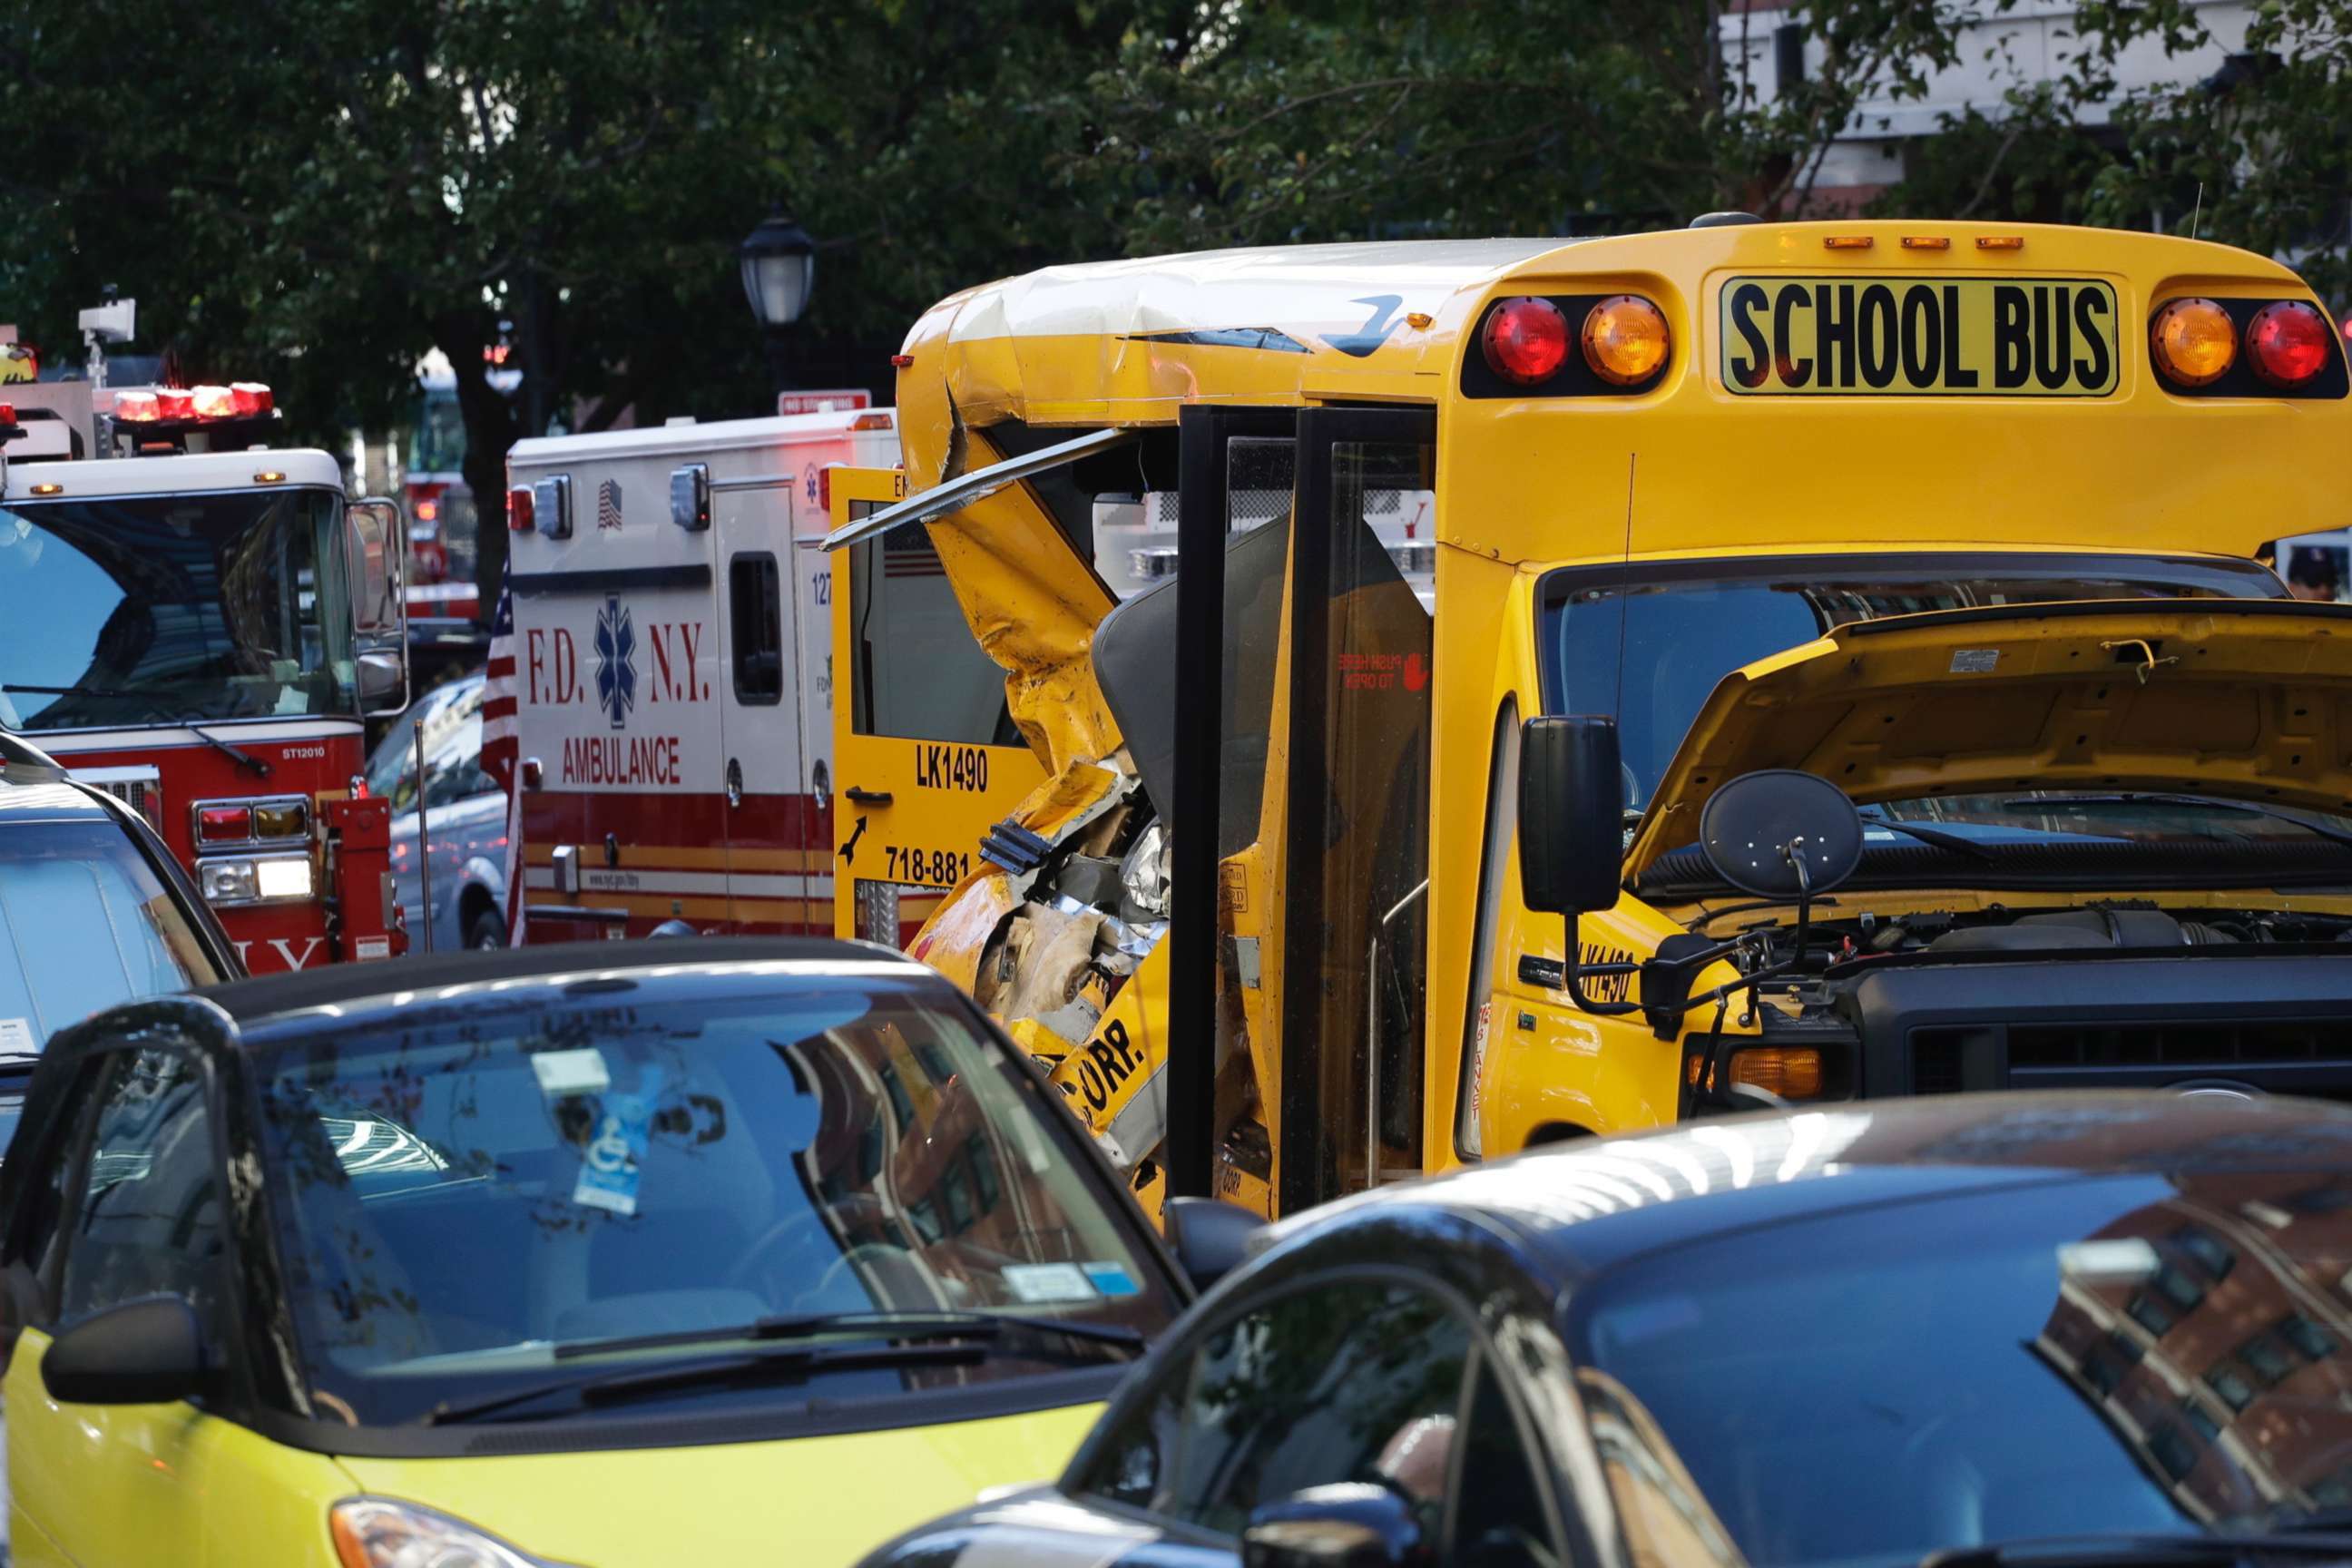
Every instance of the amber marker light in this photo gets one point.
(51, 489)
(1625, 339)
(1926, 242)
(2193, 343)
(2000, 242)
(1785, 1070)
(1846, 242)
(269, 477)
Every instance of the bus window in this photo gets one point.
(915, 671)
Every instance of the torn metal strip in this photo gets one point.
(960, 493)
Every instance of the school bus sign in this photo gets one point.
(1942, 337)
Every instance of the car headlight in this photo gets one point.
(377, 1533)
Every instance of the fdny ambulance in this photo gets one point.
(200, 625)
(674, 673)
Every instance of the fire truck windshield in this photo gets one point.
(161, 609)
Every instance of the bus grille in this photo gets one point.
(2185, 1044)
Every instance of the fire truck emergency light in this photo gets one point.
(237, 400)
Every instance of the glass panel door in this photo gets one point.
(1358, 690)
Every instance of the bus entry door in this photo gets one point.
(925, 757)
(1320, 929)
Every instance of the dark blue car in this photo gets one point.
(1966, 1326)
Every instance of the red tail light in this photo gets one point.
(1526, 341)
(2287, 342)
(7, 414)
(251, 399)
(136, 407)
(824, 490)
(175, 402)
(521, 512)
(224, 823)
(213, 402)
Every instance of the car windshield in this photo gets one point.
(2128, 1354)
(160, 609)
(85, 922)
(1651, 652)
(481, 1196)
(452, 717)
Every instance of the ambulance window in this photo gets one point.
(916, 670)
(756, 620)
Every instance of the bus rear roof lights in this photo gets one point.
(1526, 340)
(2286, 342)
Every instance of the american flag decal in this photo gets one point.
(608, 504)
(500, 752)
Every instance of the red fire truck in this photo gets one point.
(199, 625)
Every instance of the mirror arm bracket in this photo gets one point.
(1573, 975)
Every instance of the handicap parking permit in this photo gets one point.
(614, 1162)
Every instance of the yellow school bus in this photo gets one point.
(1495, 691)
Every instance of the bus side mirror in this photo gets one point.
(1572, 815)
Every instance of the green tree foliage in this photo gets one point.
(318, 192)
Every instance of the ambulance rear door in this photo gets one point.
(925, 758)
(775, 819)
(620, 669)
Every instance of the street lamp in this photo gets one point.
(779, 266)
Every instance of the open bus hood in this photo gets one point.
(2245, 699)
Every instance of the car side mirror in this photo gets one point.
(1352, 1524)
(1572, 813)
(148, 1351)
(1210, 1237)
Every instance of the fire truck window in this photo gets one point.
(916, 670)
(755, 609)
(135, 609)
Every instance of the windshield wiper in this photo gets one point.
(595, 1387)
(899, 1338)
(237, 754)
(1954, 842)
(922, 1325)
(2212, 803)
(2121, 1551)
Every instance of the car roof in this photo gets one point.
(43, 802)
(367, 987)
(1586, 1205)
(34, 788)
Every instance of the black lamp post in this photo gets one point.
(779, 269)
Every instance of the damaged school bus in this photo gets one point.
(1495, 692)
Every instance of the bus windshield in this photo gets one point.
(1649, 644)
(155, 609)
